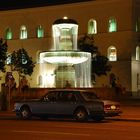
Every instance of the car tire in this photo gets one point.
(80, 114)
(25, 113)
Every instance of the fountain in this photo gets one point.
(64, 62)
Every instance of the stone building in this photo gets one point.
(114, 23)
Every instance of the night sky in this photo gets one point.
(17, 4)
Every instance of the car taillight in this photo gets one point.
(107, 107)
(112, 107)
(117, 106)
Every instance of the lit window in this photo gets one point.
(23, 32)
(8, 60)
(8, 34)
(137, 53)
(138, 24)
(40, 32)
(112, 25)
(92, 26)
(112, 53)
(24, 59)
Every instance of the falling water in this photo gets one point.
(64, 62)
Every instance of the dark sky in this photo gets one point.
(16, 4)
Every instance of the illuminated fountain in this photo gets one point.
(64, 62)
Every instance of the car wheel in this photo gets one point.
(25, 113)
(80, 114)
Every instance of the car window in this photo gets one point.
(70, 97)
(66, 96)
(89, 96)
(52, 96)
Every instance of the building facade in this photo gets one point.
(114, 23)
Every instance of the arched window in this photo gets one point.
(112, 53)
(23, 32)
(40, 32)
(8, 34)
(137, 53)
(112, 27)
(24, 59)
(138, 24)
(92, 26)
(8, 60)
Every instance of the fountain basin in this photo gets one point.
(64, 57)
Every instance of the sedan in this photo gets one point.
(79, 104)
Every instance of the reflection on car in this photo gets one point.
(78, 104)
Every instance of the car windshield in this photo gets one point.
(89, 96)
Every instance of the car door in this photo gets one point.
(57, 102)
(47, 105)
(66, 102)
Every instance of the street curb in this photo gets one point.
(125, 119)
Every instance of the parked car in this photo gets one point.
(79, 104)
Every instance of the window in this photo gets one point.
(112, 53)
(40, 32)
(23, 32)
(112, 25)
(51, 96)
(8, 34)
(24, 59)
(137, 53)
(89, 96)
(138, 24)
(8, 60)
(92, 26)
